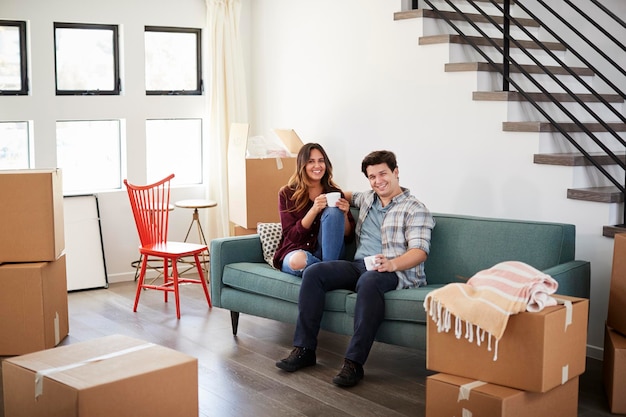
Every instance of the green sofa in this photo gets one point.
(242, 282)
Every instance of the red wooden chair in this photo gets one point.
(150, 205)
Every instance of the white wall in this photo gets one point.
(345, 74)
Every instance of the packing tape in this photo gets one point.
(568, 311)
(466, 413)
(41, 374)
(564, 374)
(464, 390)
(57, 332)
(279, 163)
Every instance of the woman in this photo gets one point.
(312, 231)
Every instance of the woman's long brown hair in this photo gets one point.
(299, 181)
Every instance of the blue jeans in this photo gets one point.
(369, 311)
(330, 244)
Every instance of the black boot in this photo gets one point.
(298, 358)
(350, 375)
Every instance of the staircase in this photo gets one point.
(578, 127)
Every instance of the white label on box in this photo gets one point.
(565, 374)
(279, 163)
(466, 413)
(464, 390)
(40, 374)
(569, 309)
(57, 332)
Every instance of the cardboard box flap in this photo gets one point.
(238, 140)
(290, 139)
(98, 362)
(32, 171)
(467, 385)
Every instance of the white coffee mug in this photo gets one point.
(332, 198)
(370, 262)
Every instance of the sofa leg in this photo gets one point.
(234, 320)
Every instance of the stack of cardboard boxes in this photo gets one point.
(33, 284)
(536, 370)
(253, 182)
(109, 376)
(614, 364)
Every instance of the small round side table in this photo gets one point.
(196, 204)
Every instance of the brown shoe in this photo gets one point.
(298, 358)
(350, 375)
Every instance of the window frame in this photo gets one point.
(201, 163)
(29, 142)
(24, 89)
(120, 145)
(199, 82)
(117, 83)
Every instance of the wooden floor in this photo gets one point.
(237, 376)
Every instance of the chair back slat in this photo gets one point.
(150, 206)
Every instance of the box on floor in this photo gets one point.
(450, 395)
(614, 370)
(109, 376)
(31, 216)
(253, 183)
(538, 351)
(33, 306)
(616, 318)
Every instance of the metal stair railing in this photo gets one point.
(507, 61)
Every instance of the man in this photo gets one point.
(395, 227)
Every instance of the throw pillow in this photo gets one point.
(270, 234)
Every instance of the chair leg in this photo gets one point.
(166, 277)
(142, 275)
(176, 294)
(203, 280)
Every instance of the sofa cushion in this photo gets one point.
(463, 245)
(270, 234)
(401, 305)
(260, 278)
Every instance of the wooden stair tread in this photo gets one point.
(611, 231)
(537, 96)
(607, 194)
(533, 69)
(569, 127)
(576, 159)
(474, 17)
(480, 41)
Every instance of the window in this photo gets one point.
(173, 61)
(13, 68)
(174, 146)
(14, 145)
(86, 59)
(89, 153)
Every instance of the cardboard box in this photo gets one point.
(614, 370)
(253, 184)
(31, 215)
(538, 351)
(242, 231)
(33, 306)
(110, 376)
(449, 395)
(616, 318)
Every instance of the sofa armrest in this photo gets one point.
(573, 278)
(228, 250)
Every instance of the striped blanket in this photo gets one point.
(485, 303)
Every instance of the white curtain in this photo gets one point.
(227, 102)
